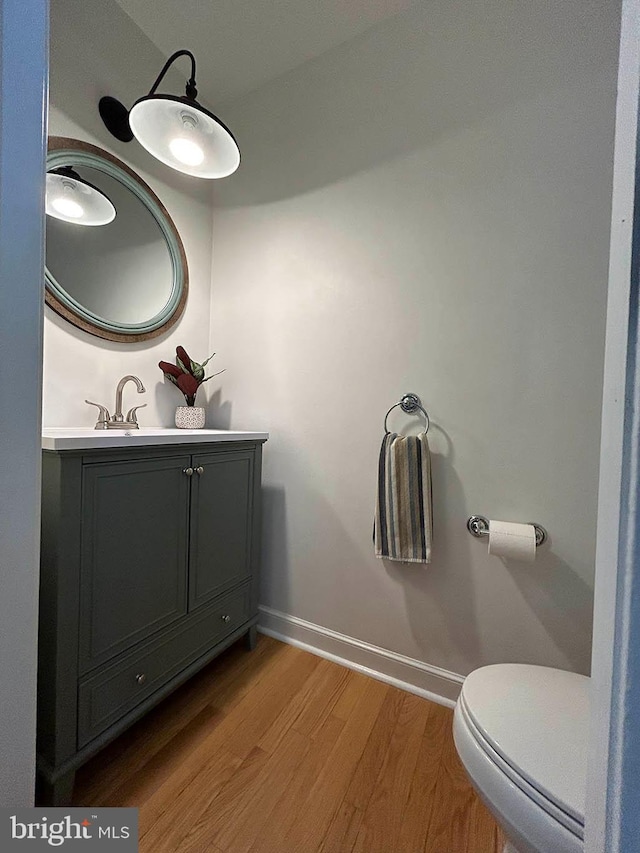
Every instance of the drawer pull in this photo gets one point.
(226, 618)
(199, 470)
(187, 471)
(141, 678)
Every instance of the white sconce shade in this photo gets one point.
(185, 136)
(178, 131)
(72, 199)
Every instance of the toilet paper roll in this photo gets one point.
(512, 541)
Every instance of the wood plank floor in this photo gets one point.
(279, 751)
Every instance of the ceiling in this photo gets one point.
(241, 44)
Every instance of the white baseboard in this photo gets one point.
(430, 682)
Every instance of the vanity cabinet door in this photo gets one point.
(221, 512)
(134, 553)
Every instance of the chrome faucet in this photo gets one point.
(118, 420)
(117, 416)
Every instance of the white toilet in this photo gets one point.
(521, 733)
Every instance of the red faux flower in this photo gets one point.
(170, 369)
(188, 384)
(186, 374)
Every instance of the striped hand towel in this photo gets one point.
(404, 521)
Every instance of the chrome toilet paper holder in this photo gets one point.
(478, 526)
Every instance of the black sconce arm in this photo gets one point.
(191, 92)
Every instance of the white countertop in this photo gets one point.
(78, 438)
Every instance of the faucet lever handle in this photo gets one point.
(103, 415)
(131, 414)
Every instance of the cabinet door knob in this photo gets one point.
(226, 618)
(187, 471)
(141, 678)
(199, 470)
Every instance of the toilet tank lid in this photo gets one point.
(537, 720)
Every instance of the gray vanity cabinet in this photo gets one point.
(149, 569)
(219, 546)
(133, 574)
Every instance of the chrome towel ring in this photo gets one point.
(410, 403)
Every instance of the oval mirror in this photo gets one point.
(126, 280)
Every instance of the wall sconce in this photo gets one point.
(72, 199)
(176, 130)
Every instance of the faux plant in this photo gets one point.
(186, 375)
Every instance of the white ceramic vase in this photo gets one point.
(190, 417)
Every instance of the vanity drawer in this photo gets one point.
(116, 689)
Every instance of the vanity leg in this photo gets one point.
(251, 638)
(58, 793)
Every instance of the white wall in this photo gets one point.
(97, 50)
(23, 56)
(426, 209)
